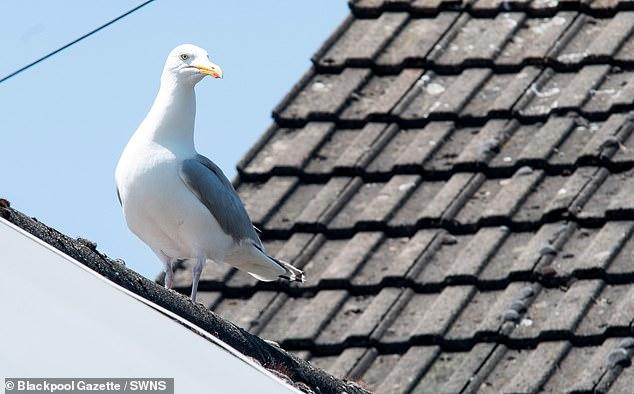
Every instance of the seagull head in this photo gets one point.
(189, 64)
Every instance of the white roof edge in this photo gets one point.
(200, 331)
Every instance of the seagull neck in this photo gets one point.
(173, 114)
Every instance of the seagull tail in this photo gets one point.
(252, 258)
(292, 274)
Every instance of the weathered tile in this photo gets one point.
(353, 255)
(534, 39)
(315, 315)
(622, 204)
(453, 145)
(401, 377)
(589, 142)
(562, 195)
(432, 316)
(557, 311)
(434, 201)
(290, 312)
(471, 364)
(292, 207)
(582, 368)
(472, 208)
(485, 144)
(340, 327)
(398, 259)
(376, 5)
(209, 298)
(541, 363)
(423, 145)
(351, 360)
(365, 146)
(298, 249)
(378, 370)
(472, 259)
(323, 95)
(617, 90)
(561, 91)
(621, 265)
(381, 311)
(383, 207)
(411, 148)
(327, 201)
(544, 143)
(609, 139)
(624, 54)
(350, 150)
(597, 38)
(578, 91)
(623, 381)
(262, 199)
(622, 147)
(319, 262)
(416, 40)
(435, 378)
(249, 313)
(607, 194)
(435, 95)
(500, 93)
(347, 216)
(543, 246)
(382, 263)
(500, 267)
(432, 5)
(512, 195)
(499, 310)
(483, 315)
(566, 315)
(480, 40)
(593, 250)
(509, 153)
(611, 310)
(362, 40)
(289, 148)
(380, 95)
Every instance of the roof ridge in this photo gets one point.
(268, 356)
(486, 10)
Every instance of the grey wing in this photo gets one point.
(207, 181)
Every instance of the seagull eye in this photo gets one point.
(184, 57)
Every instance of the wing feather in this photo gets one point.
(207, 181)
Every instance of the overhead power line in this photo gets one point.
(75, 41)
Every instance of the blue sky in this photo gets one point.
(64, 122)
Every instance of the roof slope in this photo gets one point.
(456, 179)
(288, 367)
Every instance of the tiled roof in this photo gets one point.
(457, 181)
(288, 367)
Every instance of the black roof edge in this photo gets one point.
(277, 360)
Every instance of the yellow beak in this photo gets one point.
(213, 70)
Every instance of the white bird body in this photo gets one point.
(177, 201)
(148, 191)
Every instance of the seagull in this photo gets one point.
(178, 201)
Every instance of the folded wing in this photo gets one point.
(207, 181)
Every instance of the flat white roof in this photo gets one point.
(61, 319)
